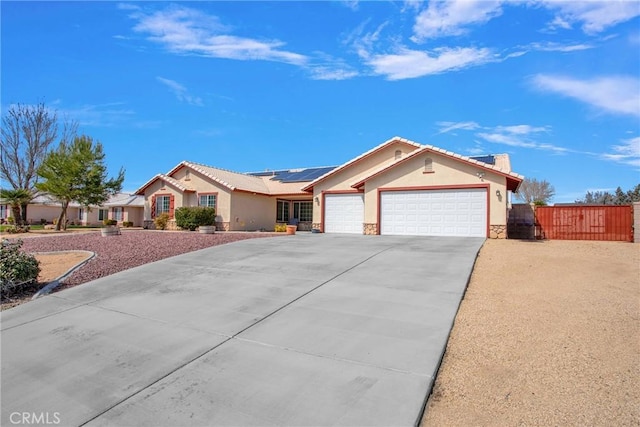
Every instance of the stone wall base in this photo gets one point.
(370, 229)
(223, 226)
(498, 231)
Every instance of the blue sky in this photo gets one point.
(250, 86)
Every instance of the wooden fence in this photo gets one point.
(585, 222)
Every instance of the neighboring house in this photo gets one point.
(121, 207)
(399, 187)
(42, 209)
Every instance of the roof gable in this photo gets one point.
(513, 179)
(169, 180)
(359, 158)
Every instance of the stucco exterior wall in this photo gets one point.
(135, 215)
(250, 212)
(446, 172)
(343, 179)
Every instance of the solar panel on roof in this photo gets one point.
(491, 160)
(286, 176)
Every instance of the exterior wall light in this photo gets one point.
(498, 193)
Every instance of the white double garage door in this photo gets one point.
(455, 212)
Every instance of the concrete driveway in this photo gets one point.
(311, 329)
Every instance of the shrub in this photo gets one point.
(11, 220)
(109, 222)
(186, 218)
(161, 221)
(43, 221)
(280, 228)
(191, 217)
(127, 223)
(18, 268)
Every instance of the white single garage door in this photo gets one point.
(459, 212)
(343, 213)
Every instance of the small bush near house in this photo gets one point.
(109, 222)
(127, 224)
(192, 217)
(18, 268)
(280, 228)
(161, 221)
(43, 221)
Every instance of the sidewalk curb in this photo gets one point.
(56, 282)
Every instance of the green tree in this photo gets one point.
(619, 197)
(15, 199)
(76, 171)
(534, 191)
(27, 133)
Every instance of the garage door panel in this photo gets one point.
(343, 213)
(459, 212)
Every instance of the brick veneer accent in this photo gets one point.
(498, 232)
(370, 229)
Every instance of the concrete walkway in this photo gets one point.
(310, 329)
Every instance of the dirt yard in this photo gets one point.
(548, 333)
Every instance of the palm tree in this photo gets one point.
(16, 198)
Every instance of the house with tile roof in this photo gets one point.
(398, 187)
(120, 207)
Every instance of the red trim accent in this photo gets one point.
(353, 162)
(434, 187)
(425, 172)
(153, 207)
(172, 205)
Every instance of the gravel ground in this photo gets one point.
(548, 333)
(131, 249)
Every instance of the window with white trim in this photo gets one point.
(103, 214)
(282, 211)
(81, 214)
(207, 200)
(3, 211)
(162, 204)
(303, 211)
(118, 213)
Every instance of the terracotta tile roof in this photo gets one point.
(230, 179)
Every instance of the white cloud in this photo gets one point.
(188, 31)
(407, 63)
(180, 92)
(593, 16)
(626, 153)
(98, 115)
(449, 18)
(520, 136)
(558, 47)
(521, 129)
(446, 127)
(614, 94)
